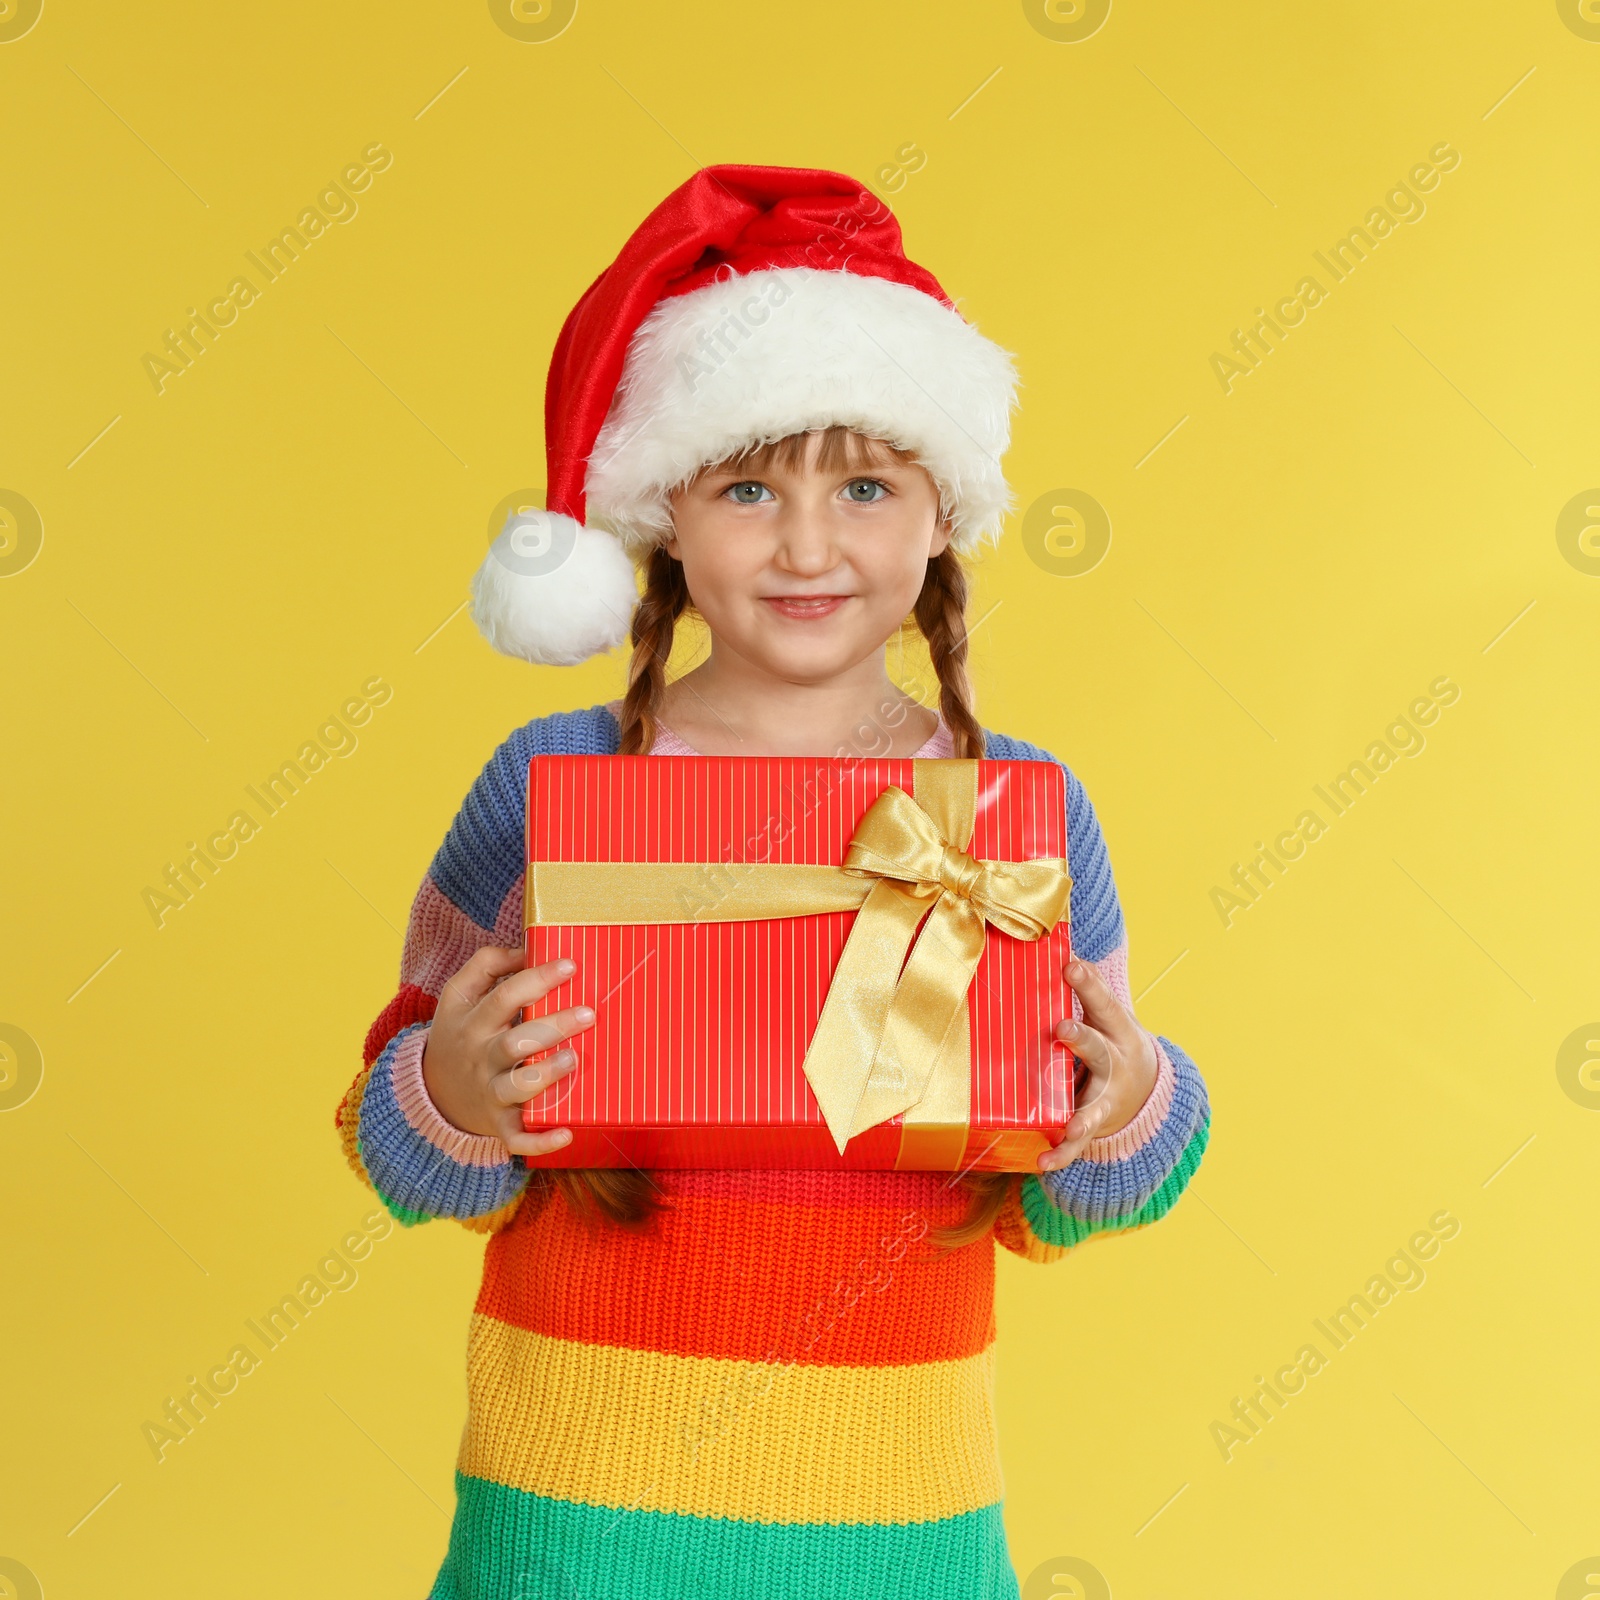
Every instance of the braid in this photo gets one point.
(626, 1196)
(941, 614)
(655, 619)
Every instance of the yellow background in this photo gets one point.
(301, 511)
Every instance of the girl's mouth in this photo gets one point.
(805, 605)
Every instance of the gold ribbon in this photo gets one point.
(893, 1034)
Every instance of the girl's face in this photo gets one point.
(806, 561)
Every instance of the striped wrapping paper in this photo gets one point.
(695, 1058)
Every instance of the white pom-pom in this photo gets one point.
(552, 591)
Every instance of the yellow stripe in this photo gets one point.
(350, 1124)
(743, 1439)
(494, 1221)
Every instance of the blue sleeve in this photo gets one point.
(1060, 1208)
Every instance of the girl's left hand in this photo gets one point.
(1121, 1060)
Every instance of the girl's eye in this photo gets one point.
(863, 491)
(747, 494)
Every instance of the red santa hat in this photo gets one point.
(752, 303)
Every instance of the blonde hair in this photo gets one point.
(627, 1196)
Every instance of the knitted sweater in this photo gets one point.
(781, 1388)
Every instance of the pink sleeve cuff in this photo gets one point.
(416, 1105)
(1120, 1145)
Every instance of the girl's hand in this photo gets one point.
(1121, 1060)
(471, 1062)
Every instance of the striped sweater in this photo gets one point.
(782, 1388)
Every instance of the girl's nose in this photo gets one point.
(806, 542)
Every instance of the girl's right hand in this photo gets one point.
(478, 1038)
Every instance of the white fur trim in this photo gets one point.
(758, 357)
(552, 591)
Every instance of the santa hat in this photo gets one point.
(751, 304)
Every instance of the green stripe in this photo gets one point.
(511, 1545)
(1052, 1225)
(402, 1214)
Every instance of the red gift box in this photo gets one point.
(703, 1025)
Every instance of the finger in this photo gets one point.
(523, 988)
(1095, 1053)
(520, 1084)
(1081, 1129)
(524, 1039)
(1100, 1003)
(480, 972)
(1089, 1045)
(546, 1142)
(523, 1141)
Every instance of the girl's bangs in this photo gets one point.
(841, 449)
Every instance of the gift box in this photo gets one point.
(803, 962)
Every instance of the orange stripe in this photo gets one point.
(720, 1277)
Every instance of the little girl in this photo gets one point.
(771, 1383)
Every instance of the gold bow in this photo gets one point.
(893, 1034)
